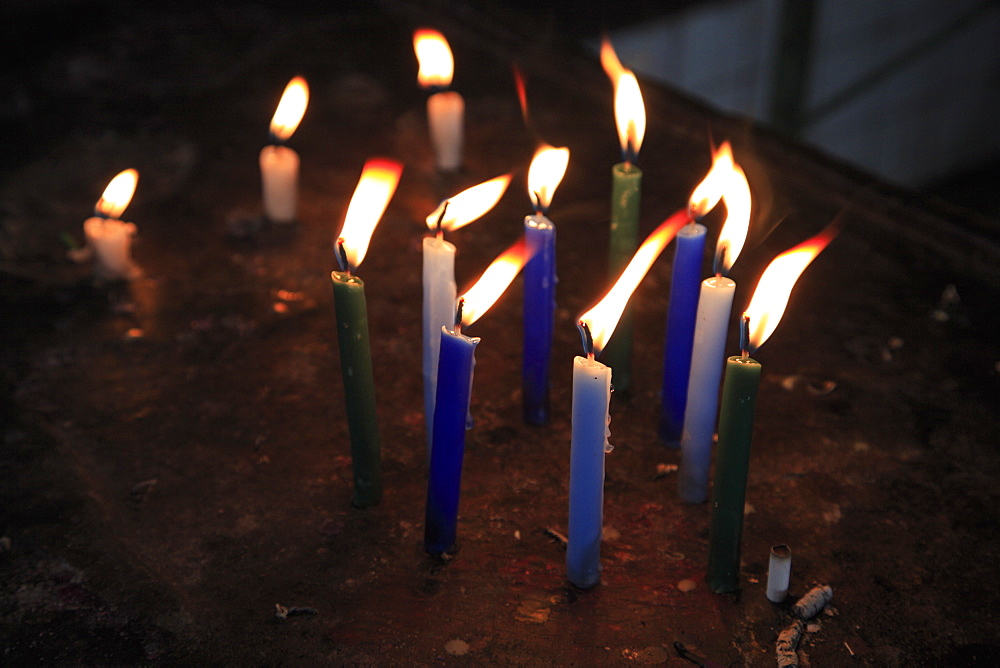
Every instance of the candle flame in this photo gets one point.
(775, 285)
(545, 174)
(609, 61)
(118, 194)
(725, 181)
(630, 115)
(604, 316)
(437, 66)
(469, 205)
(290, 109)
(487, 290)
(371, 197)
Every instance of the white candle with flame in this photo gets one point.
(445, 108)
(279, 165)
(109, 238)
(591, 419)
(439, 276)
(725, 181)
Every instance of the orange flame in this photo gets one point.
(118, 194)
(469, 205)
(487, 290)
(375, 188)
(290, 109)
(609, 61)
(725, 181)
(775, 285)
(545, 174)
(604, 316)
(437, 66)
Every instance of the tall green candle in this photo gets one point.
(732, 463)
(359, 387)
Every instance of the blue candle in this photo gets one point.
(454, 388)
(684, 289)
(539, 316)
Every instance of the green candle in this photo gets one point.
(626, 193)
(739, 396)
(359, 387)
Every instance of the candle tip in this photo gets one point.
(588, 339)
(342, 256)
(458, 314)
(440, 220)
(745, 337)
(718, 264)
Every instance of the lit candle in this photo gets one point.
(439, 275)
(371, 197)
(626, 194)
(279, 165)
(454, 392)
(110, 239)
(544, 175)
(445, 108)
(725, 181)
(591, 419)
(739, 397)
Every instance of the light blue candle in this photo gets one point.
(539, 316)
(454, 388)
(683, 306)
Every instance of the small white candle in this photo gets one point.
(109, 238)
(445, 108)
(779, 571)
(279, 165)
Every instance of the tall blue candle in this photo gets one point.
(454, 388)
(684, 289)
(539, 316)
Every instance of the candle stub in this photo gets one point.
(111, 243)
(279, 173)
(813, 602)
(778, 573)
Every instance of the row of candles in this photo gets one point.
(698, 316)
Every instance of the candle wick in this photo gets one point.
(342, 257)
(458, 315)
(588, 339)
(745, 337)
(720, 254)
(444, 209)
(274, 139)
(539, 209)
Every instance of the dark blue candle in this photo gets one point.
(684, 289)
(454, 387)
(539, 315)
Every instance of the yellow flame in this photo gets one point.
(437, 66)
(487, 290)
(375, 188)
(118, 194)
(630, 114)
(604, 316)
(546, 173)
(770, 297)
(470, 204)
(290, 109)
(725, 181)
(609, 61)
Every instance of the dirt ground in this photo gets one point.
(175, 465)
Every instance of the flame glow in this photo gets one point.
(290, 109)
(118, 194)
(437, 66)
(775, 285)
(725, 181)
(604, 316)
(487, 290)
(609, 61)
(470, 204)
(375, 188)
(545, 174)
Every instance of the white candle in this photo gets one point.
(439, 311)
(445, 108)
(715, 303)
(279, 165)
(111, 242)
(779, 570)
(591, 429)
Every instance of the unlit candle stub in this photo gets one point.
(813, 602)
(778, 573)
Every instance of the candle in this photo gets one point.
(445, 108)
(454, 391)
(544, 175)
(110, 239)
(439, 276)
(779, 570)
(279, 165)
(371, 197)
(739, 396)
(591, 419)
(626, 193)
(681, 313)
(725, 181)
